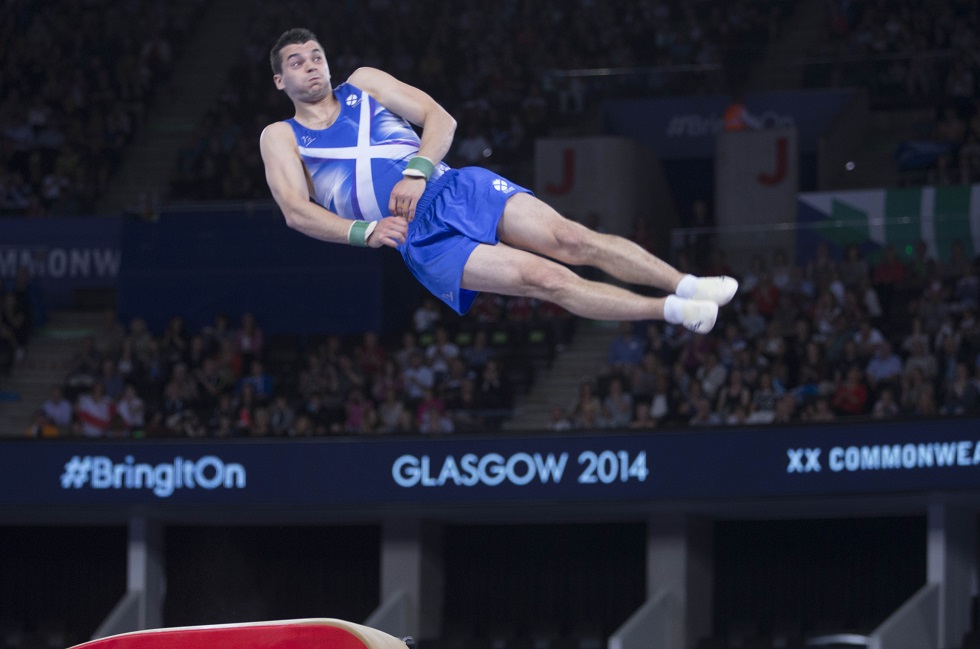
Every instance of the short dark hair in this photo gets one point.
(294, 36)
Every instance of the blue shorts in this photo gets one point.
(458, 211)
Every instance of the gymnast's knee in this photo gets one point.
(575, 241)
(549, 281)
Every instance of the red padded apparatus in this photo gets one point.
(287, 634)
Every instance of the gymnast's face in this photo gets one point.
(305, 74)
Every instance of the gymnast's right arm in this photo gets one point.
(287, 180)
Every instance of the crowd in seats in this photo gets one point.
(77, 80)
(913, 54)
(230, 379)
(867, 335)
(908, 52)
(857, 336)
(482, 61)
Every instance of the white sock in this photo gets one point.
(687, 286)
(674, 309)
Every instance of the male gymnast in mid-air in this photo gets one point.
(350, 168)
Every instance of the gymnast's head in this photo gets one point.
(299, 66)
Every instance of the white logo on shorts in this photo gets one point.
(501, 186)
(448, 296)
(352, 100)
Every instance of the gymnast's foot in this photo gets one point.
(719, 290)
(694, 315)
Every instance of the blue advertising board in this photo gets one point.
(686, 127)
(197, 265)
(61, 255)
(843, 460)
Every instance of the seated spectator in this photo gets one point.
(764, 399)
(426, 315)
(58, 410)
(250, 339)
(94, 410)
(479, 353)
(617, 406)
(625, 350)
(703, 414)
(642, 419)
(388, 380)
(390, 410)
(417, 378)
(960, 395)
(785, 412)
(370, 355)
(733, 394)
(260, 381)
(661, 403)
(42, 427)
(712, 375)
(431, 414)
(853, 269)
(884, 368)
(587, 406)
(440, 352)
(867, 339)
(355, 408)
(131, 410)
(885, 407)
(851, 396)
(558, 420)
(282, 417)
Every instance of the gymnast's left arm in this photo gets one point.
(438, 128)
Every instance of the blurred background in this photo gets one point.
(206, 417)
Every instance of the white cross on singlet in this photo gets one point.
(363, 153)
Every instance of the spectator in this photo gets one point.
(388, 380)
(440, 353)
(733, 394)
(920, 359)
(884, 368)
(426, 316)
(370, 355)
(58, 410)
(417, 378)
(960, 393)
(617, 406)
(821, 412)
(712, 375)
(132, 410)
(851, 397)
(885, 407)
(282, 417)
(94, 410)
(390, 411)
(249, 339)
(703, 415)
(643, 419)
(260, 381)
(42, 427)
(557, 419)
(625, 350)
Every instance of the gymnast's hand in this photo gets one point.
(390, 231)
(405, 196)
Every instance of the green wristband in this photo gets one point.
(359, 232)
(419, 167)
